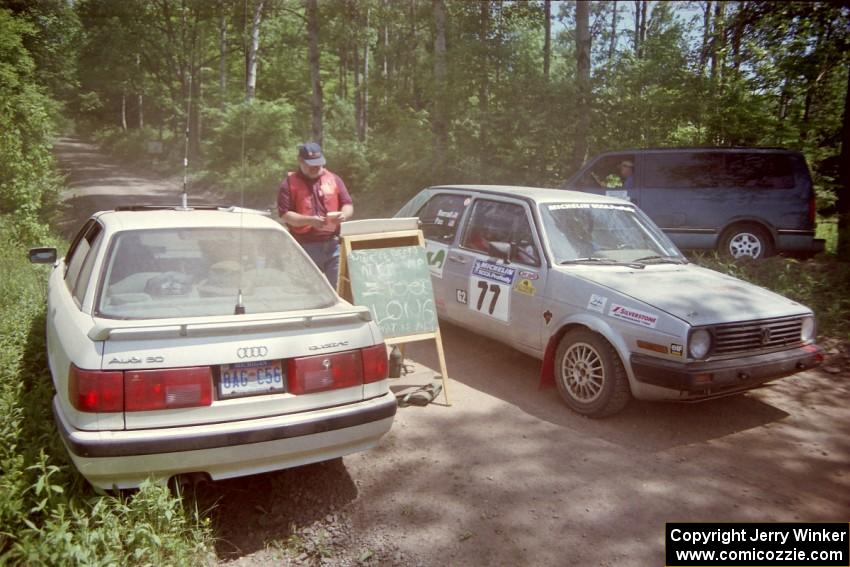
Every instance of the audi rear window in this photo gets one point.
(200, 272)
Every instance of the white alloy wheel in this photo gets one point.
(582, 372)
(589, 374)
(746, 241)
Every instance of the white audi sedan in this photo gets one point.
(205, 341)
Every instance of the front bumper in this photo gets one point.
(124, 459)
(706, 379)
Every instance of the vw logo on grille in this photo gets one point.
(765, 335)
(252, 352)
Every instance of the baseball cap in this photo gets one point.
(311, 153)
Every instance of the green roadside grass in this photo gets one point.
(48, 514)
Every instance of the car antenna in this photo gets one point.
(239, 308)
(185, 199)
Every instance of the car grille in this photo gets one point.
(757, 335)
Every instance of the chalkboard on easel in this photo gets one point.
(395, 284)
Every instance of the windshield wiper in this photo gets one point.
(603, 261)
(662, 259)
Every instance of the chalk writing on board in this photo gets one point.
(395, 284)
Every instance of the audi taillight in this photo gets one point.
(311, 374)
(375, 363)
(96, 390)
(146, 390)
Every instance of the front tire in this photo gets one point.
(589, 374)
(746, 241)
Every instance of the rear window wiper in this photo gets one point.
(662, 259)
(603, 261)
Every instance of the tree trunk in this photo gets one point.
(222, 54)
(612, 47)
(717, 41)
(843, 204)
(139, 95)
(124, 110)
(547, 42)
(484, 85)
(706, 38)
(582, 81)
(364, 105)
(315, 79)
(644, 5)
(252, 54)
(141, 111)
(440, 125)
(637, 27)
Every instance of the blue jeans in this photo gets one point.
(325, 254)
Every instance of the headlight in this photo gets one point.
(807, 329)
(699, 343)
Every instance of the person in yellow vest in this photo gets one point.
(313, 201)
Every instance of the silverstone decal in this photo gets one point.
(526, 275)
(526, 287)
(608, 206)
(493, 272)
(676, 350)
(436, 254)
(635, 316)
(597, 303)
(461, 296)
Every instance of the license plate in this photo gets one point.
(250, 378)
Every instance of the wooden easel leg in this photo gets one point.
(443, 370)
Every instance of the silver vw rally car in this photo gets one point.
(204, 341)
(592, 287)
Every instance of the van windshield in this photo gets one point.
(196, 272)
(602, 232)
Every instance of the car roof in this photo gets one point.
(700, 149)
(142, 218)
(536, 194)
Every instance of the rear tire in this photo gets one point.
(746, 241)
(589, 374)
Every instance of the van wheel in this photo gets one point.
(746, 241)
(589, 374)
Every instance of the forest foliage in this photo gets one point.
(406, 93)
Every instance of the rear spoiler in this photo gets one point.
(115, 331)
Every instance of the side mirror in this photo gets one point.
(501, 250)
(42, 255)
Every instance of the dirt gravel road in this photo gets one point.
(509, 476)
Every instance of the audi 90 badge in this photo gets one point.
(252, 352)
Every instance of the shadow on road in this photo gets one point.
(514, 377)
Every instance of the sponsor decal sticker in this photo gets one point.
(597, 303)
(635, 316)
(526, 287)
(460, 294)
(619, 193)
(493, 272)
(547, 316)
(526, 275)
(676, 350)
(436, 255)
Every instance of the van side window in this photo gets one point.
(441, 215)
(683, 170)
(758, 170)
(605, 173)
